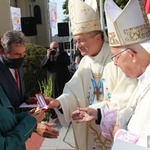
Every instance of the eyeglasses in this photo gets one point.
(115, 56)
(82, 41)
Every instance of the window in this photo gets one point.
(37, 14)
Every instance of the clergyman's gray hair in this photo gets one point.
(92, 33)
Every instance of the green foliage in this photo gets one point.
(65, 8)
(66, 19)
(33, 73)
(46, 87)
(121, 3)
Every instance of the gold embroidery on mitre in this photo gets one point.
(143, 11)
(85, 10)
(86, 24)
(112, 38)
(81, 27)
(137, 33)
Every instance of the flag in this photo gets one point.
(53, 14)
(15, 18)
(147, 6)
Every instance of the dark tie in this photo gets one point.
(17, 78)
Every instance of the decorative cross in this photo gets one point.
(134, 107)
(97, 92)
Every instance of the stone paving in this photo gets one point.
(65, 141)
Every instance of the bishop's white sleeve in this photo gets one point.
(131, 137)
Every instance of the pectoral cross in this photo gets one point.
(97, 92)
(134, 107)
(140, 97)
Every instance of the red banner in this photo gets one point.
(147, 6)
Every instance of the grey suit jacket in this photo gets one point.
(9, 85)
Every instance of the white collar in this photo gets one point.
(142, 77)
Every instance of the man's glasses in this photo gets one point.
(115, 56)
(82, 41)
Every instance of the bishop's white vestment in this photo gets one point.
(100, 83)
(138, 127)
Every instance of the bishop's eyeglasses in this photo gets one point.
(82, 41)
(114, 57)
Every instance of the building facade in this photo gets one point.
(38, 9)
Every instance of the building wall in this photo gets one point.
(5, 23)
(43, 31)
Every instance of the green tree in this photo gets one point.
(121, 3)
(65, 8)
(33, 73)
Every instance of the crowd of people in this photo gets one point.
(105, 95)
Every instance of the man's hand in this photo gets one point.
(84, 114)
(46, 130)
(57, 54)
(39, 115)
(30, 112)
(48, 52)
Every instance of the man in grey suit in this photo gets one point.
(11, 59)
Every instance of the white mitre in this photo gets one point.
(84, 16)
(127, 26)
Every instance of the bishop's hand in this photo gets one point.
(52, 103)
(84, 114)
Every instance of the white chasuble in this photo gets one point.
(140, 122)
(135, 117)
(97, 83)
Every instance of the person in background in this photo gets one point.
(133, 57)
(11, 60)
(96, 82)
(57, 62)
(75, 65)
(16, 129)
